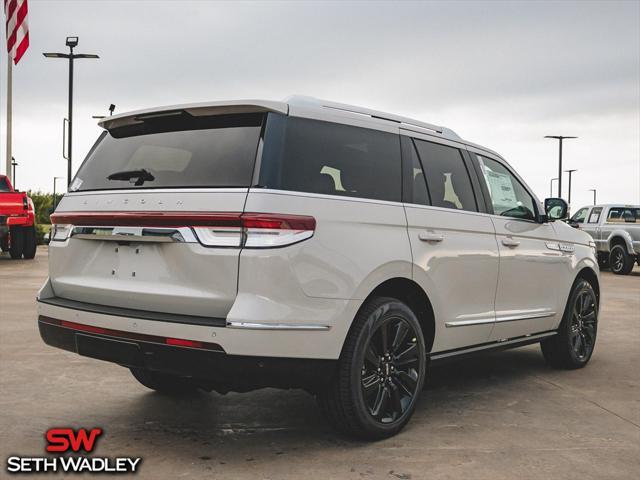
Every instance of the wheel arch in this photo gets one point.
(620, 237)
(409, 292)
(590, 276)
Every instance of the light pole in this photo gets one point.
(560, 138)
(54, 191)
(594, 194)
(551, 187)
(570, 171)
(14, 164)
(71, 43)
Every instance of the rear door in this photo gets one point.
(153, 218)
(453, 244)
(531, 263)
(592, 227)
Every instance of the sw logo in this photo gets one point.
(63, 441)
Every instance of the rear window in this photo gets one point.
(321, 157)
(175, 150)
(4, 185)
(624, 215)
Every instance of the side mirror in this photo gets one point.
(555, 209)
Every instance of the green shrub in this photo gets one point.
(42, 233)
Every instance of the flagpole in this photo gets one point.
(9, 102)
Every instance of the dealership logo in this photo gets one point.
(69, 444)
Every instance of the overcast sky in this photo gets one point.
(502, 74)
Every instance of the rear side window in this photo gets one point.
(312, 156)
(447, 176)
(175, 151)
(595, 215)
(623, 215)
(4, 185)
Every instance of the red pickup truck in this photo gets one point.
(17, 222)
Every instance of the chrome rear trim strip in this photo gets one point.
(276, 326)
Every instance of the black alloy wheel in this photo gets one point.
(582, 333)
(390, 370)
(573, 345)
(380, 373)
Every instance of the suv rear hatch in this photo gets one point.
(154, 219)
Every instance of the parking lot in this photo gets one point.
(499, 415)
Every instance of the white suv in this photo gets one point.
(307, 244)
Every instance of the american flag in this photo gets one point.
(17, 28)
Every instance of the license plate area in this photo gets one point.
(118, 351)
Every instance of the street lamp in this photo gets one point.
(71, 43)
(560, 138)
(594, 194)
(570, 171)
(54, 191)
(551, 187)
(14, 164)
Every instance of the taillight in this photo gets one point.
(25, 203)
(60, 231)
(259, 230)
(212, 229)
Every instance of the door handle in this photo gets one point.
(510, 242)
(430, 237)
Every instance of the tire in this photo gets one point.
(164, 382)
(30, 244)
(603, 261)
(16, 243)
(4, 243)
(573, 346)
(392, 382)
(620, 261)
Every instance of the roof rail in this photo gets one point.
(409, 123)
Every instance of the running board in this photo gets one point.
(497, 345)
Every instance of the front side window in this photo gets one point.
(313, 156)
(508, 196)
(623, 215)
(447, 176)
(580, 216)
(595, 215)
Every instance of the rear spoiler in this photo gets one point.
(196, 110)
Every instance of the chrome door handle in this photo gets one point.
(510, 242)
(430, 237)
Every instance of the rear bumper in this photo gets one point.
(211, 365)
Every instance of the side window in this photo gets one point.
(595, 215)
(580, 216)
(312, 156)
(623, 215)
(508, 195)
(4, 185)
(447, 176)
(420, 194)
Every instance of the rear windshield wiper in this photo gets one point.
(142, 176)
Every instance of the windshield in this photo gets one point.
(172, 151)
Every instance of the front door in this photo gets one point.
(530, 258)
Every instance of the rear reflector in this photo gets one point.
(176, 342)
(249, 230)
(183, 343)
